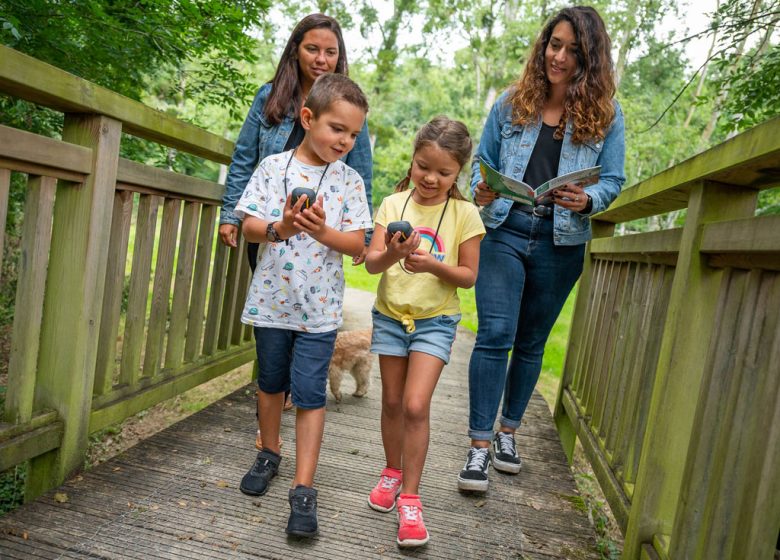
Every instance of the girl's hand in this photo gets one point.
(312, 219)
(228, 234)
(420, 261)
(398, 249)
(361, 258)
(484, 195)
(571, 196)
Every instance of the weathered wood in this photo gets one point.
(43, 170)
(163, 273)
(30, 444)
(649, 243)
(746, 160)
(73, 300)
(5, 189)
(751, 235)
(217, 292)
(26, 147)
(232, 280)
(135, 318)
(31, 79)
(689, 321)
(31, 284)
(135, 174)
(112, 300)
(242, 288)
(181, 291)
(200, 283)
(43, 418)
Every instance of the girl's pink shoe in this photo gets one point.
(411, 528)
(382, 497)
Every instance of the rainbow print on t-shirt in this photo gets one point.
(427, 237)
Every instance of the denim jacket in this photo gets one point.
(507, 147)
(259, 139)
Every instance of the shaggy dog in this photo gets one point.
(351, 353)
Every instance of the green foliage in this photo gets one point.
(12, 488)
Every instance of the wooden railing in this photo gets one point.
(672, 375)
(125, 298)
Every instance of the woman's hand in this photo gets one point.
(398, 249)
(420, 261)
(228, 234)
(572, 197)
(484, 195)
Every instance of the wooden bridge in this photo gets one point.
(671, 379)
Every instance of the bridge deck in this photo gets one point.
(175, 495)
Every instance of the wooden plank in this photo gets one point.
(30, 288)
(681, 363)
(135, 318)
(749, 235)
(73, 303)
(218, 280)
(5, 191)
(31, 79)
(42, 170)
(163, 273)
(599, 326)
(665, 242)
(583, 378)
(29, 445)
(40, 419)
(181, 292)
(746, 161)
(32, 148)
(238, 334)
(112, 300)
(124, 402)
(139, 175)
(232, 279)
(200, 283)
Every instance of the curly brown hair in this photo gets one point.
(589, 94)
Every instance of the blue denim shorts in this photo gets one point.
(294, 361)
(432, 336)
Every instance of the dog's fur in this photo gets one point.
(352, 354)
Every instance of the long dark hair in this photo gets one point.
(450, 136)
(589, 95)
(286, 93)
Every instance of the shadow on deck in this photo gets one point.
(175, 495)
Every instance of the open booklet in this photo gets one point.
(523, 193)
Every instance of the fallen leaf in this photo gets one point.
(354, 452)
(25, 536)
(205, 504)
(480, 503)
(115, 469)
(61, 497)
(257, 503)
(228, 429)
(182, 503)
(222, 484)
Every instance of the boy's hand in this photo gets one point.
(312, 219)
(420, 261)
(398, 249)
(288, 226)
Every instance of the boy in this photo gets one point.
(296, 294)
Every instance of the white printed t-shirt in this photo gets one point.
(299, 284)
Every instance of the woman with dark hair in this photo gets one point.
(315, 47)
(272, 126)
(559, 117)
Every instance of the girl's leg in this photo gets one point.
(393, 372)
(421, 378)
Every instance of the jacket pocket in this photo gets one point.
(588, 153)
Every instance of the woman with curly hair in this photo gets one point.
(559, 117)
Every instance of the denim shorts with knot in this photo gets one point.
(295, 361)
(432, 336)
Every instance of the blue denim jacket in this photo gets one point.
(507, 147)
(259, 139)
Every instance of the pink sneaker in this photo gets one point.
(382, 497)
(411, 527)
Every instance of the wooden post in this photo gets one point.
(74, 296)
(680, 369)
(577, 330)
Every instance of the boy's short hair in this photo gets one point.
(331, 87)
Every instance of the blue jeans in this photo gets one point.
(523, 282)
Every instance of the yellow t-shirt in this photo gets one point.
(407, 297)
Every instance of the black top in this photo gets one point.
(543, 164)
(296, 136)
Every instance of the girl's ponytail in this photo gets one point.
(403, 184)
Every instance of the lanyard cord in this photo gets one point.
(435, 235)
(287, 168)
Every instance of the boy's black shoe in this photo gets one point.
(474, 475)
(255, 482)
(303, 512)
(505, 457)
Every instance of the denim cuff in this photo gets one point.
(506, 422)
(227, 217)
(480, 435)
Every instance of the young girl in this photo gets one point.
(417, 308)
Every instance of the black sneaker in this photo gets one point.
(255, 482)
(505, 457)
(303, 512)
(474, 475)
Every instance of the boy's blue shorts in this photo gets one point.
(432, 336)
(294, 361)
